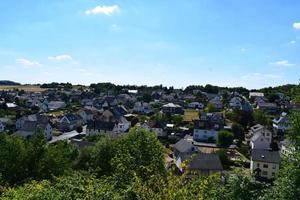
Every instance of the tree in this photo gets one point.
(261, 118)
(139, 153)
(225, 139)
(101, 156)
(211, 108)
(238, 131)
(225, 160)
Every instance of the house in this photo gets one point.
(172, 108)
(142, 107)
(204, 164)
(235, 102)
(34, 118)
(11, 105)
(108, 122)
(253, 131)
(120, 110)
(30, 128)
(207, 128)
(70, 122)
(195, 105)
(108, 102)
(156, 126)
(55, 105)
(287, 148)
(95, 127)
(281, 124)
(216, 101)
(264, 163)
(183, 150)
(255, 94)
(261, 140)
(267, 107)
(86, 115)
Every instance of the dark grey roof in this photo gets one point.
(100, 125)
(32, 126)
(72, 117)
(265, 156)
(205, 161)
(184, 146)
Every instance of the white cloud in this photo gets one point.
(27, 63)
(260, 77)
(61, 57)
(292, 42)
(296, 25)
(284, 63)
(104, 10)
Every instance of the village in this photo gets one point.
(204, 130)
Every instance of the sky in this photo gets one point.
(249, 43)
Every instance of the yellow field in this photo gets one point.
(190, 115)
(27, 88)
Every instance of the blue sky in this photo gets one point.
(250, 43)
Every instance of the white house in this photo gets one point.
(122, 125)
(183, 150)
(264, 163)
(205, 135)
(70, 122)
(256, 94)
(86, 115)
(287, 148)
(261, 140)
(235, 102)
(282, 123)
(253, 131)
(30, 128)
(156, 126)
(142, 107)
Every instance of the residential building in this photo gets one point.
(142, 107)
(172, 108)
(70, 122)
(264, 163)
(195, 105)
(183, 150)
(281, 124)
(261, 140)
(204, 164)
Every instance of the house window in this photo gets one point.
(274, 166)
(273, 173)
(265, 173)
(258, 165)
(265, 166)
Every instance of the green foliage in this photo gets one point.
(294, 133)
(225, 139)
(240, 117)
(21, 160)
(225, 160)
(238, 131)
(210, 108)
(261, 118)
(139, 153)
